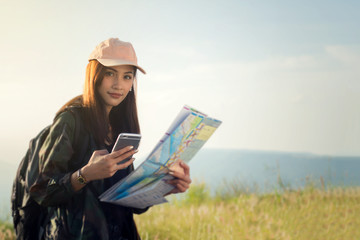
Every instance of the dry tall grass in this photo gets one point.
(6, 231)
(306, 214)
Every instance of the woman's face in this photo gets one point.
(116, 85)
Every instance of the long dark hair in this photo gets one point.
(122, 118)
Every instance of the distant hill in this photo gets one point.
(7, 174)
(264, 167)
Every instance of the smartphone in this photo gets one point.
(126, 139)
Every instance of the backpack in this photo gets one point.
(30, 218)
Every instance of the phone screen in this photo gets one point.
(127, 139)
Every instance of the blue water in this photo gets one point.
(265, 168)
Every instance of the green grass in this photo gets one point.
(233, 212)
(309, 213)
(6, 231)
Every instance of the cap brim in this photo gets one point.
(118, 62)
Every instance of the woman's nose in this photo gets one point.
(117, 82)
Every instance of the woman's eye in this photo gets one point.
(109, 74)
(128, 77)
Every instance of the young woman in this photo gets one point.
(76, 166)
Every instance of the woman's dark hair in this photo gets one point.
(122, 118)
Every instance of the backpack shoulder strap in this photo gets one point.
(81, 140)
(76, 112)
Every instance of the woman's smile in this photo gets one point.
(115, 95)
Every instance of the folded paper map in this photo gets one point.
(145, 186)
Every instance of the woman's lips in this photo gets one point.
(115, 95)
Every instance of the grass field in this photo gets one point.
(306, 214)
(309, 213)
(6, 231)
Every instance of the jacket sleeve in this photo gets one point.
(139, 210)
(53, 186)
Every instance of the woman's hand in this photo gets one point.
(181, 173)
(104, 165)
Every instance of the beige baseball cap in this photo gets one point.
(114, 52)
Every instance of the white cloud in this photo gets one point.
(345, 54)
(301, 103)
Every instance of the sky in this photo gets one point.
(281, 75)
